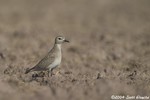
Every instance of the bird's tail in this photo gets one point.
(28, 70)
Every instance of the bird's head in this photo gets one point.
(60, 40)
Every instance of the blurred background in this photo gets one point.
(109, 52)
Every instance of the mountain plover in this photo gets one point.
(52, 59)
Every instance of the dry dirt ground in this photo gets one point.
(109, 52)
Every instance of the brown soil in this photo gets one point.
(109, 52)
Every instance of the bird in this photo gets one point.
(52, 59)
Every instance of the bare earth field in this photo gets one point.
(108, 53)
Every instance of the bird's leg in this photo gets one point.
(50, 72)
(47, 73)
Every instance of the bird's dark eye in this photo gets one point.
(59, 38)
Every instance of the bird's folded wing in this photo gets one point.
(45, 62)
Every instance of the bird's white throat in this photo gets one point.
(59, 46)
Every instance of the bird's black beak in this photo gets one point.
(66, 41)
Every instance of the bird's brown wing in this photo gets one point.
(44, 63)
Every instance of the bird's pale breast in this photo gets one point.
(57, 59)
